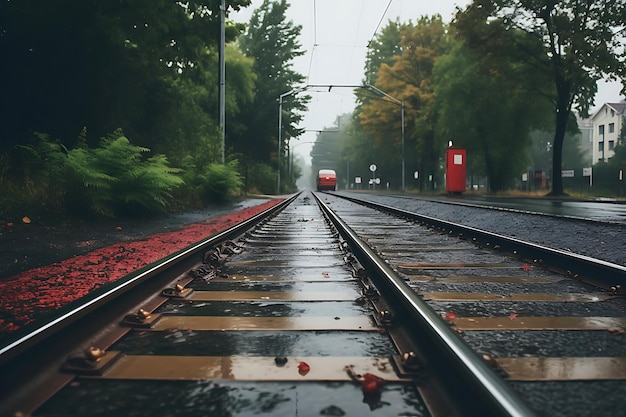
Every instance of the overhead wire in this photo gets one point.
(308, 76)
(380, 21)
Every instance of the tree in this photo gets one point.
(273, 43)
(582, 42)
(187, 110)
(408, 80)
(483, 105)
(330, 150)
(383, 49)
(101, 65)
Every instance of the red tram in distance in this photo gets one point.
(326, 180)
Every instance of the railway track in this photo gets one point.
(549, 321)
(301, 315)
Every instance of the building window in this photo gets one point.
(611, 127)
(612, 113)
(601, 129)
(600, 146)
(611, 145)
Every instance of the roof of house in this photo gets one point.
(619, 108)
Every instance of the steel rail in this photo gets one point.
(471, 204)
(100, 298)
(497, 398)
(605, 274)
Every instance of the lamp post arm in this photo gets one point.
(397, 102)
(382, 93)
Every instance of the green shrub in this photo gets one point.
(34, 176)
(118, 178)
(218, 183)
(114, 178)
(262, 178)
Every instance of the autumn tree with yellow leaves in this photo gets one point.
(406, 77)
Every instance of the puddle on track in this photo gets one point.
(229, 399)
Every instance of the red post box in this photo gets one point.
(455, 170)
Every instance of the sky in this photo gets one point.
(335, 34)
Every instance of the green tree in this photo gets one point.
(484, 107)
(408, 80)
(582, 42)
(273, 43)
(99, 65)
(187, 126)
(383, 49)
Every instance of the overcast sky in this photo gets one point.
(335, 34)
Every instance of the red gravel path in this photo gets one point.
(45, 289)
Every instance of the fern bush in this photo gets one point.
(117, 177)
(114, 178)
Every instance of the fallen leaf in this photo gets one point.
(303, 368)
(527, 267)
(371, 384)
(513, 316)
(449, 316)
(26, 220)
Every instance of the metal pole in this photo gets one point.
(402, 110)
(397, 102)
(280, 133)
(222, 82)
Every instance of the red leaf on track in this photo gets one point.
(303, 368)
(371, 384)
(449, 316)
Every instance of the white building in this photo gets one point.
(607, 123)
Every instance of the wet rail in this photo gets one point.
(298, 316)
(550, 322)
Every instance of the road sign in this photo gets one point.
(373, 168)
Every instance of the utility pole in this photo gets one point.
(399, 103)
(222, 87)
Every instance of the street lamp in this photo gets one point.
(291, 151)
(397, 102)
(280, 128)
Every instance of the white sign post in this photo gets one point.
(373, 169)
